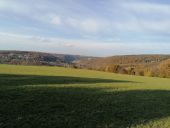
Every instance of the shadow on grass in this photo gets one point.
(78, 107)
(13, 80)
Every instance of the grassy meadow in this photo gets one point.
(55, 97)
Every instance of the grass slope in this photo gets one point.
(52, 97)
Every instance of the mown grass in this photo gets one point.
(52, 97)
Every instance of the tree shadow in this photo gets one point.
(71, 107)
(13, 80)
(80, 107)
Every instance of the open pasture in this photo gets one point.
(55, 97)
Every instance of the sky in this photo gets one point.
(86, 27)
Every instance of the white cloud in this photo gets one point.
(75, 46)
(98, 23)
(72, 22)
(108, 21)
(14, 7)
(133, 24)
(145, 7)
(88, 25)
(56, 20)
(142, 26)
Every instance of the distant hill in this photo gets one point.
(103, 62)
(143, 65)
(38, 58)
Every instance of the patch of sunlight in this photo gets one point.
(159, 123)
(105, 87)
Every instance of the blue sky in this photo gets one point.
(86, 27)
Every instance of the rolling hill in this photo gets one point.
(38, 58)
(143, 65)
(148, 65)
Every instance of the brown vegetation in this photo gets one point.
(142, 65)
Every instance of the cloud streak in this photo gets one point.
(80, 26)
(82, 47)
(145, 7)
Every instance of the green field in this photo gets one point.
(52, 97)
